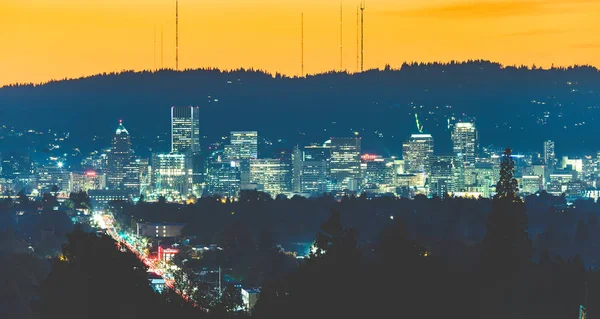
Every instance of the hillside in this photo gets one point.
(516, 106)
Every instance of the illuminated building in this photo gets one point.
(100, 197)
(376, 170)
(285, 157)
(416, 153)
(171, 174)
(268, 173)
(465, 142)
(243, 145)
(549, 155)
(530, 184)
(166, 254)
(223, 178)
(345, 160)
(185, 131)
(137, 175)
(574, 164)
(314, 177)
(85, 181)
(49, 176)
(160, 230)
(249, 298)
(120, 154)
(297, 160)
(441, 177)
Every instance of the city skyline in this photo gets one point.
(111, 37)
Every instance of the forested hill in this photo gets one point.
(516, 106)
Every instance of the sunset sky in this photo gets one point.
(50, 39)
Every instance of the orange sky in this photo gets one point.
(49, 39)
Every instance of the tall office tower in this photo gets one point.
(120, 154)
(416, 153)
(170, 174)
(223, 178)
(185, 131)
(465, 142)
(549, 155)
(296, 170)
(268, 174)
(441, 178)
(285, 156)
(345, 161)
(137, 175)
(314, 172)
(243, 145)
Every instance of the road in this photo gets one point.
(106, 222)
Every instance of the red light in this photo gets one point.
(90, 173)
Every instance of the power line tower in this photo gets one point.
(362, 36)
(302, 43)
(177, 35)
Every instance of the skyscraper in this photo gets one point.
(243, 145)
(270, 174)
(345, 160)
(465, 142)
(185, 131)
(549, 155)
(171, 174)
(417, 152)
(120, 154)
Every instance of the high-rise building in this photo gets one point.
(170, 174)
(313, 178)
(243, 145)
(345, 160)
(185, 131)
(465, 142)
(137, 175)
(441, 177)
(549, 155)
(120, 154)
(286, 156)
(269, 174)
(223, 178)
(297, 170)
(416, 153)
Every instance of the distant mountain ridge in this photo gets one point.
(514, 106)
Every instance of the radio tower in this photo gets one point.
(341, 37)
(177, 35)
(154, 47)
(302, 43)
(162, 47)
(357, 37)
(362, 36)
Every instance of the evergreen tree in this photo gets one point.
(507, 186)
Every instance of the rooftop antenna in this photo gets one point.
(177, 35)
(341, 36)
(419, 126)
(302, 42)
(162, 48)
(357, 37)
(362, 36)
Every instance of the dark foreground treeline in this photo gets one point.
(451, 228)
(342, 278)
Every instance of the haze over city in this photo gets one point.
(46, 39)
